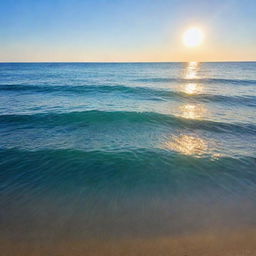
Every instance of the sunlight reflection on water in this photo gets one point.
(187, 145)
(192, 88)
(184, 143)
(192, 111)
(191, 73)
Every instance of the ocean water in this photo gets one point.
(128, 158)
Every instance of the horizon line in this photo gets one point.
(124, 62)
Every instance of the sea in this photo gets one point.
(128, 159)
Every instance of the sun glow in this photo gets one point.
(193, 37)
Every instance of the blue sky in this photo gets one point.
(122, 30)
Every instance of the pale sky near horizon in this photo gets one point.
(125, 30)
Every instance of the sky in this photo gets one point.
(125, 30)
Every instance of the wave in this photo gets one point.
(139, 168)
(197, 80)
(85, 118)
(150, 93)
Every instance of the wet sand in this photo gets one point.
(225, 243)
(129, 228)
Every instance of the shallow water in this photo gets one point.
(149, 156)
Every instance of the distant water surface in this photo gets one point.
(128, 158)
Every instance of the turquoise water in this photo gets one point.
(124, 150)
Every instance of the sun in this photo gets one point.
(193, 37)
